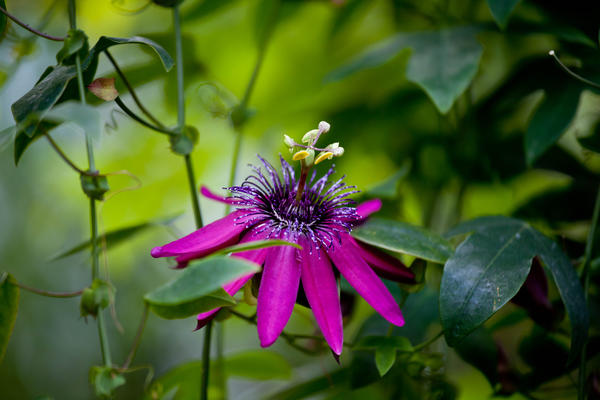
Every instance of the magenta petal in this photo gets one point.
(206, 192)
(384, 265)
(321, 291)
(277, 293)
(368, 207)
(357, 272)
(211, 237)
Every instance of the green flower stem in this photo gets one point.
(136, 118)
(30, 29)
(205, 362)
(59, 295)
(585, 276)
(193, 191)
(134, 95)
(138, 338)
(104, 345)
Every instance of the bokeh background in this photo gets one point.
(440, 168)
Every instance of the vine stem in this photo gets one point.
(63, 155)
(60, 295)
(30, 29)
(104, 345)
(136, 118)
(585, 275)
(192, 183)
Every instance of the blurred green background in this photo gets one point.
(467, 162)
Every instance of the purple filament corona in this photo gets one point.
(323, 212)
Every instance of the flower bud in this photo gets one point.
(310, 136)
(324, 127)
(289, 142)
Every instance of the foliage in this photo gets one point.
(482, 147)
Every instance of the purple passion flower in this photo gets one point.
(320, 221)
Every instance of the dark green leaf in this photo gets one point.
(105, 380)
(443, 62)
(489, 268)
(30, 109)
(501, 10)
(9, 303)
(385, 357)
(244, 365)
(404, 238)
(113, 238)
(257, 244)
(550, 120)
(479, 350)
(105, 42)
(198, 287)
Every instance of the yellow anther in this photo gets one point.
(327, 155)
(301, 155)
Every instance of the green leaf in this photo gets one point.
(113, 238)
(385, 357)
(479, 350)
(7, 136)
(244, 365)
(105, 380)
(404, 238)
(198, 287)
(501, 10)
(9, 303)
(551, 119)
(30, 109)
(75, 42)
(489, 268)
(257, 244)
(443, 62)
(105, 42)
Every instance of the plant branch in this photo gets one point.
(138, 119)
(585, 275)
(134, 95)
(30, 29)
(60, 295)
(138, 338)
